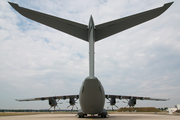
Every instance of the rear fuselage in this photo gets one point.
(91, 96)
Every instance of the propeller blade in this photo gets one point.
(58, 100)
(76, 107)
(49, 108)
(116, 106)
(108, 107)
(68, 106)
(126, 105)
(58, 107)
(72, 108)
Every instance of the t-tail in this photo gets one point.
(91, 39)
(91, 95)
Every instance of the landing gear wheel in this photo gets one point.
(103, 116)
(81, 116)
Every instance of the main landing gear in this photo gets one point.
(81, 116)
(102, 115)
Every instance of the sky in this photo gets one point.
(36, 60)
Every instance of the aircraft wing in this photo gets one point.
(110, 28)
(133, 97)
(69, 27)
(47, 98)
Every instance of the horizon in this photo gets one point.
(37, 60)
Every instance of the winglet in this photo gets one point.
(14, 5)
(168, 4)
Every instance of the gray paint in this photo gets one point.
(110, 28)
(91, 39)
(91, 95)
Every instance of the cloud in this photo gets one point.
(37, 60)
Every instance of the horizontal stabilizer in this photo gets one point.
(110, 28)
(69, 27)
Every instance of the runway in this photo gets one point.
(73, 117)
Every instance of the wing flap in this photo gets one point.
(134, 97)
(47, 98)
(75, 29)
(107, 29)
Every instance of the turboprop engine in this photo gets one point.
(53, 103)
(112, 102)
(131, 102)
(72, 103)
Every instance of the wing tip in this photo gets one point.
(17, 100)
(13, 4)
(167, 5)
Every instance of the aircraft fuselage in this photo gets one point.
(91, 95)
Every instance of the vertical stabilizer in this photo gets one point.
(91, 39)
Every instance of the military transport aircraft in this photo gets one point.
(91, 95)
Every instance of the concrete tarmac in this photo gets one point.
(73, 117)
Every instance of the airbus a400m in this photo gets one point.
(91, 95)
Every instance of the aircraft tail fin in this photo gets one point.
(107, 29)
(69, 27)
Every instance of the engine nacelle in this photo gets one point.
(52, 102)
(72, 101)
(113, 101)
(132, 102)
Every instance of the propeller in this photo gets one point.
(54, 103)
(72, 103)
(112, 102)
(130, 102)
(126, 102)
